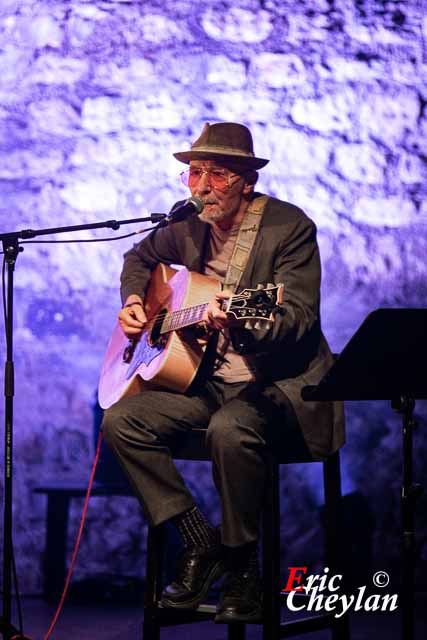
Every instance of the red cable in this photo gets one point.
(77, 544)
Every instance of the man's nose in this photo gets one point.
(203, 185)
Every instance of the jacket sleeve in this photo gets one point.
(297, 266)
(158, 246)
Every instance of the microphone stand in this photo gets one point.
(11, 250)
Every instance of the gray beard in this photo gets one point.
(212, 218)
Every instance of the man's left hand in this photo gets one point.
(214, 317)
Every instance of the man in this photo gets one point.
(249, 396)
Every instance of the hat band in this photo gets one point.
(223, 150)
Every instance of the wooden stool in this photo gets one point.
(156, 616)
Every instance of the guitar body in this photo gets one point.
(153, 360)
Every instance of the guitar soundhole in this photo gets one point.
(156, 337)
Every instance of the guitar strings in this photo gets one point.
(163, 316)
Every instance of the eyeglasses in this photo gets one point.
(218, 179)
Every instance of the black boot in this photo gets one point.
(198, 568)
(241, 599)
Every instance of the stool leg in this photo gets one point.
(153, 582)
(271, 553)
(334, 533)
(55, 566)
(236, 631)
(341, 629)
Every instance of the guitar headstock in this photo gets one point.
(255, 306)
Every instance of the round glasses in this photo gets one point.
(219, 179)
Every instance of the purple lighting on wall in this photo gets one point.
(94, 99)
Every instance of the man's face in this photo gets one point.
(223, 203)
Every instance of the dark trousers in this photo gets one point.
(241, 419)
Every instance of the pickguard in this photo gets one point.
(144, 354)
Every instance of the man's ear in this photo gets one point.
(251, 178)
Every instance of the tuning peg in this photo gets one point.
(261, 324)
(249, 324)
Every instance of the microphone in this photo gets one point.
(189, 207)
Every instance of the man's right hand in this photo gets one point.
(132, 318)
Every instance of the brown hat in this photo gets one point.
(225, 141)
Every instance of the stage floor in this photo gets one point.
(118, 622)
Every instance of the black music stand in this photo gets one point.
(386, 359)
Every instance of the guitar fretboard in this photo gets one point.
(192, 315)
(183, 318)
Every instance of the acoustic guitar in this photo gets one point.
(169, 350)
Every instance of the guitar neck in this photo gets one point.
(250, 305)
(183, 318)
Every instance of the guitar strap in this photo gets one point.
(244, 242)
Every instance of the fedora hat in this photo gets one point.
(223, 141)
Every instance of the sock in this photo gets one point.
(195, 529)
(244, 558)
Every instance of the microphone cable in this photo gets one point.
(78, 540)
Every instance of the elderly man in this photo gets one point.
(248, 396)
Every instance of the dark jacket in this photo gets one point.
(293, 350)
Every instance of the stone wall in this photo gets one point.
(94, 99)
